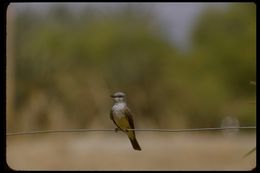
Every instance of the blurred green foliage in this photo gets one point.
(67, 65)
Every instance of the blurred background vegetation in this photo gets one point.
(63, 67)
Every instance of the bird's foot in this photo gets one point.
(116, 129)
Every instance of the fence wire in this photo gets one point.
(145, 130)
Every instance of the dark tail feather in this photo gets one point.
(135, 144)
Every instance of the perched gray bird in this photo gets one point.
(121, 115)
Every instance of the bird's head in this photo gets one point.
(118, 96)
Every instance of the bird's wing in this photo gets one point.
(111, 115)
(129, 118)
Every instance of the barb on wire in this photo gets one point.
(154, 130)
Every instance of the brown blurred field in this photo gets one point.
(112, 151)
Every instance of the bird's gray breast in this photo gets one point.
(119, 116)
(118, 109)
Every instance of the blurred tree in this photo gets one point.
(76, 64)
(225, 51)
(67, 66)
(228, 39)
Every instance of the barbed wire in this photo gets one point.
(151, 130)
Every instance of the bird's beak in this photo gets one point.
(112, 96)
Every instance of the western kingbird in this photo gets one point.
(121, 115)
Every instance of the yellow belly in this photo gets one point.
(122, 122)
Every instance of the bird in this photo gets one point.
(122, 117)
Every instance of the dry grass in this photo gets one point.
(112, 151)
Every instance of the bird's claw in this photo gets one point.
(116, 130)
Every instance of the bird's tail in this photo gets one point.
(134, 143)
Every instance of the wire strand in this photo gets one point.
(152, 130)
